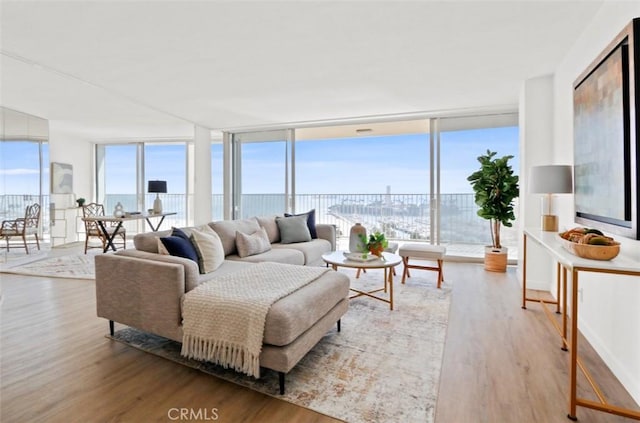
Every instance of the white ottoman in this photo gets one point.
(422, 252)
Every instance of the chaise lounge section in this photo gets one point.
(144, 289)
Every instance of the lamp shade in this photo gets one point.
(551, 179)
(157, 186)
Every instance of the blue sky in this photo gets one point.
(368, 165)
(354, 165)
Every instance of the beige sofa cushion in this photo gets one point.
(226, 230)
(281, 255)
(269, 224)
(312, 250)
(148, 241)
(250, 245)
(292, 315)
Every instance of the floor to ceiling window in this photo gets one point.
(376, 174)
(123, 172)
(24, 170)
(262, 178)
(217, 180)
(24, 165)
(404, 178)
(461, 141)
(167, 162)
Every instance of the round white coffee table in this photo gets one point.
(338, 259)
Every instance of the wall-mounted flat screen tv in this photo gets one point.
(605, 139)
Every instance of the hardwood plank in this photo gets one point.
(501, 363)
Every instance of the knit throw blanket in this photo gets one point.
(224, 319)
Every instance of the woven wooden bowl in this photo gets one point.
(593, 252)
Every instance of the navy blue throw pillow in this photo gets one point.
(180, 247)
(180, 233)
(311, 221)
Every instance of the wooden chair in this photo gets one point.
(92, 228)
(23, 226)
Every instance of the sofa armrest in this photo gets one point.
(327, 231)
(191, 269)
(145, 294)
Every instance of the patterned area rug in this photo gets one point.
(16, 255)
(68, 266)
(384, 366)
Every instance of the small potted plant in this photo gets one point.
(495, 187)
(374, 244)
(80, 201)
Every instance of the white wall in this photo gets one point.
(536, 148)
(66, 147)
(609, 312)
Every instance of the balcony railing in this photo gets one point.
(399, 216)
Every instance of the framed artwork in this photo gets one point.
(606, 129)
(61, 178)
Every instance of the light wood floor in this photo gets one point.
(501, 363)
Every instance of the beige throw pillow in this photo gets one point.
(162, 250)
(209, 248)
(256, 243)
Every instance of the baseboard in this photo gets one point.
(538, 285)
(626, 378)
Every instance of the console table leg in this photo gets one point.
(111, 327)
(564, 307)
(338, 325)
(524, 272)
(573, 349)
(558, 288)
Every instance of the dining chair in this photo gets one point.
(92, 229)
(23, 226)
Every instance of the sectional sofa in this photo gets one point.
(144, 288)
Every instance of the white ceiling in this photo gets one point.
(118, 69)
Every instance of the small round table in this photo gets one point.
(338, 259)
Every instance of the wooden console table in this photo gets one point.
(567, 262)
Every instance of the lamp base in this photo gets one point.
(157, 205)
(549, 223)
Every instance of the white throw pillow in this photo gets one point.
(209, 248)
(256, 243)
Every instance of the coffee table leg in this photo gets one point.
(385, 280)
(390, 289)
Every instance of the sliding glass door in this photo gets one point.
(167, 162)
(461, 140)
(407, 179)
(123, 172)
(262, 173)
(376, 174)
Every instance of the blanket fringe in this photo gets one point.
(224, 353)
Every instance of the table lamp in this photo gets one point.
(157, 187)
(550, 179)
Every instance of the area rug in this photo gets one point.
(17, 255)
(67, 266)
(384, 366)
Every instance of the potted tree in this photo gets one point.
(495, 188)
